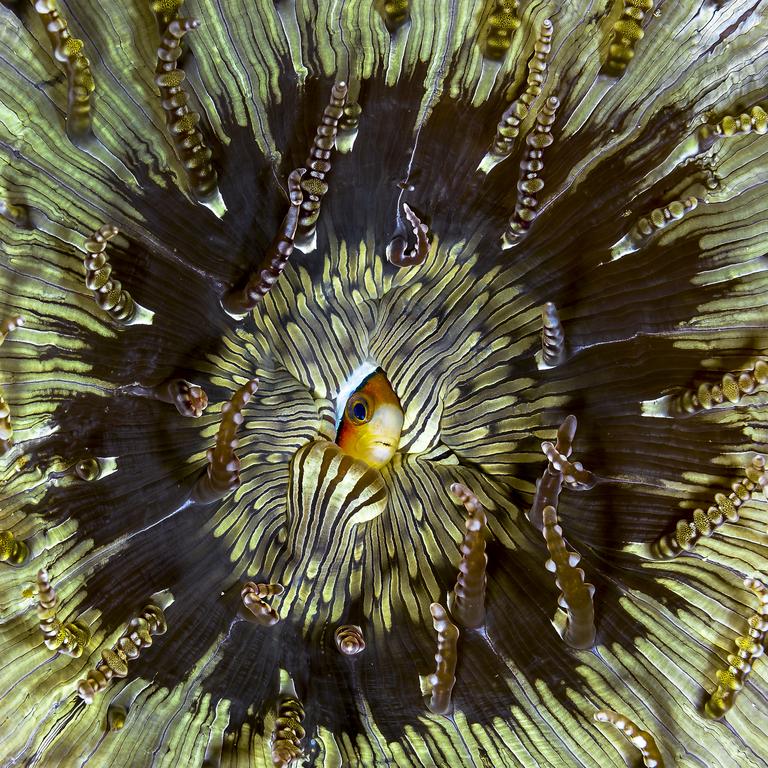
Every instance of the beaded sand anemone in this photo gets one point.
(496, 216)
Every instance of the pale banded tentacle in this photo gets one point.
(181, 121)
(530, 183)
(548, 487)
(648, 226)
(253, 599)
(397, 249)
(222, 474)
(553, 348)
(69, 638)
(749, 647)
(12, 550)
(547, 493)
(574, 474)
(466, 601)
(725, 509)
(641, 739)
(508, 128)
(578, 629)
(627, 31)
(108, 292)
(314, 185)
(349, 639)
(241, 300)
(287, 734)
(114, 662)
(507, 131)
(537, 66)
(190, 399)
(80, 85)
(444, 677)
(502, 24)
(729, 126)
(729, 391)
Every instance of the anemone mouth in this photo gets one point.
(520, 221)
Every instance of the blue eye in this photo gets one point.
(358, 410)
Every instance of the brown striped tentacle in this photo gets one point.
(260, 612)
(553, 349)
(530, 183)
(114, 663)
(318, 164)
(688, 533)
(182, 122)
(444, 677)
(508, 128)
(730, 390)
(108, 292)
(537, 65)
(749, 647)
(242, 300)
(648, 226)
(190, 399)
(69, 638)
(466, 601)
(222, 474)
(550, 484)
(576, 598)
(641, 739)
(627, 32)
(349, 639)
(397, 249)
(288, 733)
(80, 85)
(755, 120)
(574, 474)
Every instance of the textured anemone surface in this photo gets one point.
(517, 212)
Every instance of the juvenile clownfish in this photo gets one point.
(371, 422)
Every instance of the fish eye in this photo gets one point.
(358, 410)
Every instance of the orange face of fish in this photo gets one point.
(372, 421)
